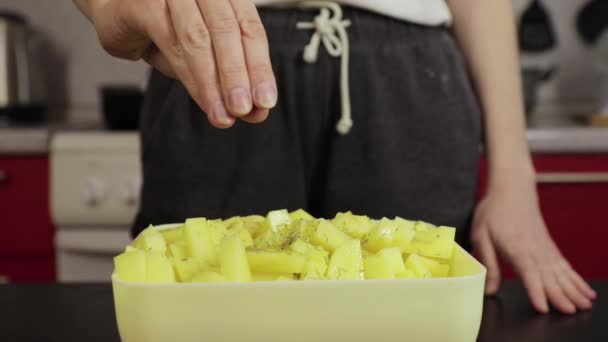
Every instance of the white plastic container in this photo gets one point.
(438, 309)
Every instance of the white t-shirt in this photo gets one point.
(424, 12)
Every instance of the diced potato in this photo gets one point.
(273, 240)
(151, 240)
(282, 278)
(381, 236)
(185, 269)
(158, 268)
(131, 249)
(208, 277)
(346, 262)
(434, 242)
(233, 222)
(404, 233)
(254, 224)
(421, 225)
(243, 234)
(218, 231)
(384, 265)
(327, 235)
(233, 260)
(417, 266)
(199, 241)
(305, 248)
(354, 225)
(131, 266)
(261, 276)
(277, 220)
(407, 274)
(376, 268)
(316, 267)
(300, 214)
(276, 261)
(177, 250)
(173, 235)
(437, 269)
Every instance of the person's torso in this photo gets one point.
(424, 12)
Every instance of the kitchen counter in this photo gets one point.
(542, 138)
(64, 313)
(24, 140)
(568, 140)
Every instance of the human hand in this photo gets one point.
(508, 223)
(217, 48)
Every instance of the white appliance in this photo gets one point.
(95, 186)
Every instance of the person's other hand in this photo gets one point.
(508, 223)
(218, 49)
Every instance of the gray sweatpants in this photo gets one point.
(413, 151)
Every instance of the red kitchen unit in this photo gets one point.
(26, 230)
(573, 193)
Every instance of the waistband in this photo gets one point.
(366, 27)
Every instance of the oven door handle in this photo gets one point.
(572, 177)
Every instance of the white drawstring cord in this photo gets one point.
(331, 31)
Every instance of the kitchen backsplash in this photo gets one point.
(80, 66)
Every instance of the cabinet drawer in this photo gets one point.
(25, 223)
(28, 268)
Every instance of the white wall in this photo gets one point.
(77, 59)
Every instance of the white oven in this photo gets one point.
(95, 186)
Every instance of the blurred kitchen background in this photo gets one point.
(69, 149)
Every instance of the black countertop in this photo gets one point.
(65, 313)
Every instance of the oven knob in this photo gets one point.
(129, 192)
(93, 191)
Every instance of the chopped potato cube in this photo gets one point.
(186, 268)
(243, 234)
(305, 248)
(421, 225)
(300, 214)
(217, 231)
(233, 259)
(178, 250)
(407, 274)
(261, 276)
(346, 262)
(354, 225)
(173, 235)
(276, 261)
(327, 235)
(433, 242)
(273, 240)
(199, 240)
(233, 222)
(277, 220)
(384, 265)
(254, 224)
(381, 236)
(404, 233)
(131, 249)
(158, 268)
(151, 240)
(282, 278)
(131, 266)
(417, 266)
(316, 267)
(208, 277)
(438, 269)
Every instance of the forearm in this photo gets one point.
(486, 32)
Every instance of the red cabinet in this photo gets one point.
(26, 231)
(573, 192)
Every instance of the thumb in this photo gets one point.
(484, 246)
